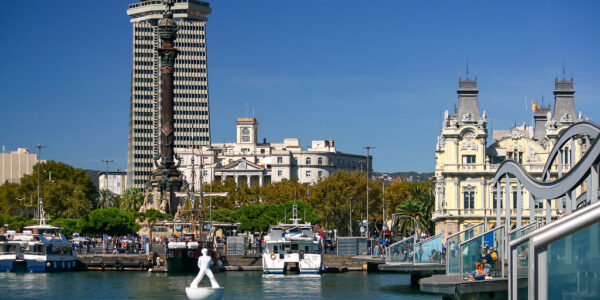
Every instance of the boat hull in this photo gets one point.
(49, 266)
(183, 261)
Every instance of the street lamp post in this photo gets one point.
(350, 224)
(368, 169)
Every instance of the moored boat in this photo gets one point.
(292, 246)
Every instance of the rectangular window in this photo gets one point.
(279, 173)
(308, 173)
(468, 159)
(494, 201)
(539, 203)
(279, 160)
(469, 199)
(320, 174)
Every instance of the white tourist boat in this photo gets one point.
(39, 248)
(294, 245)
(44, 249)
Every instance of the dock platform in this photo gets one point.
(454, 287)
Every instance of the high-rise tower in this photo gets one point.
(190, 95)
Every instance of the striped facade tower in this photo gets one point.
(190, 93)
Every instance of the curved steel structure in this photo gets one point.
(585, 169)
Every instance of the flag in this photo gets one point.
(534, 107)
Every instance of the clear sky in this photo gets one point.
(377, 73)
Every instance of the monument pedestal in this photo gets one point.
(204, 293)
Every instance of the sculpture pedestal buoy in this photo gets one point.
(204, 293)
(215, 291)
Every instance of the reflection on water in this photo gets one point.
(238, 285)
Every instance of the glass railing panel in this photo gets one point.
(515, 234)
(453, 243)
(429, 251)
(482, 255)
(401, 252)
(522, 270)
(574, 265)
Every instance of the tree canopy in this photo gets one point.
(258, 217)
(111, 221)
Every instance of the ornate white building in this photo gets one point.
(465, 164)
(249, 162)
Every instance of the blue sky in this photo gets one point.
(377, 73)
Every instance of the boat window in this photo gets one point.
(274, 249)
(295, 247)
(306, 249)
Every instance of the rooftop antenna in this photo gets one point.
(253, 113)
(467, 67)
(246, 109)
(563, 69)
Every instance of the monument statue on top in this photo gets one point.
(166, 180)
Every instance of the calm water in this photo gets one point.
(238, 285)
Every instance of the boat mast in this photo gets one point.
(41, 218)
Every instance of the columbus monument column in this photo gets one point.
(166, 180)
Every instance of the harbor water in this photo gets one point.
(238, 285)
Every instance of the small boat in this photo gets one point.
(292, 246)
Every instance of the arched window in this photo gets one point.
(320, 161)
(308, 160)
(245, 135)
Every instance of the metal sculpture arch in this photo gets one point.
(586, 169)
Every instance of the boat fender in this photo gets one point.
(102, 265)
(301, 253)
(273, 256)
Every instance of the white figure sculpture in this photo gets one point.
(195, 292)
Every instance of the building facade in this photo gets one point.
(251, 162)
(15, 164)
(114, 181)
(191, 111)
(466, 165)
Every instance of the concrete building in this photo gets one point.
(15, 164)
(465, 164)
(114, 181)
(251, 162)
(191, 111)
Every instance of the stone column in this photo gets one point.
(260, 180)
(248, 177)
(237, 180)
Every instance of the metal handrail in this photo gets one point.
(453, 235)
(476, 237)
(538, 241)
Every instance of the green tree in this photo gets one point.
(66, 191)
(258, 217)
(411, 209)
(107, 199)
(15, 222)
(343, 194)
(68, 226)
(111, 221)
(131, 200)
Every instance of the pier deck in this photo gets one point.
(454, 287)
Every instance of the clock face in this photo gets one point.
(167, 129)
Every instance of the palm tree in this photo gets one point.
(106, 199)
(413, 209)
(131, 200)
